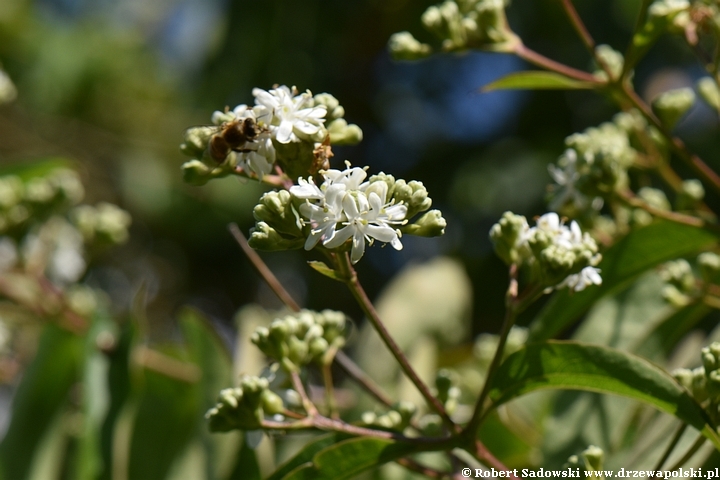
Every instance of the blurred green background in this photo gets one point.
(112, 85)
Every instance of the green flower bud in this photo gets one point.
(111, 223)
(679, 274)
(196, 173)
(675, 297)
(713, 384)
(196, 141)
(432, 224)
(276, 209)
(11, 191)
(709, 91)
(506, 235)
(699, 385)
(593, 457)
(404, 46)
(709, 263)
(342, 133)
(413, 194)
(332, 105)
(684, 377)
(431, 425)
(318, 347)
(690, 195)
(264, 237)
(8, 92)
(655, 198)
(612, 59)
(672, 105)
(272, 403)
(39, 190)
(297, 351)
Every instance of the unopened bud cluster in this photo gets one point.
(291, 129)
(397, 418)
(299, 339)
(558, 256)
(460, 25)
(590, 460)
(345, 211)
(244, 407)
(683, 284)
(703, 383)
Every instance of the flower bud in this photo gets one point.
(593, 457)
(709, 263)
(612, 59)
(404, 46)
(432, 224)
(264, 237)
(342, 133)
(690, 195)
(272, 403)
(672, 105)
(8, 92)
(413, 194)
(196, 141)
(709, 91)
(506, 236)
(276, 209)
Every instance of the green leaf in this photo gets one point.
(536, 80)
(577, 366)
(305, 455)
(39, 398)
(351, 457)
(321, 267)
(622, 263)
(96, 399)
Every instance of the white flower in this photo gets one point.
(324, 217)
(586, 277)
(368, 219)
(306, 189)
(285, 114)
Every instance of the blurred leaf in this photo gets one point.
(575, 366)
(661, 341)
(96, 398)
(38, 168)
(39, 398)
(47, 463)
(536, 80)
(508, 447)
(247, 467)
(622, 263)
(305, 455)
(350, 457)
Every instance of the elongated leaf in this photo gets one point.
(622, 263)
(577, 366)
(351, 457)
(305, 455)
(536, 80)
(40, 396)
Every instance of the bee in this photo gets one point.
(232, 137)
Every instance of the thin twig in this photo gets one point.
(310, 407)
(633, 201)
(510, 315)
(263, 269)
(345, 268)
(548, 64)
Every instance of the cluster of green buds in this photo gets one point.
(345, 212)
(683, 284)
(104, 222)
(460, 25)
(558, 256)
(594, 166)
(447, 390)
(30, 198)
(703, 383)
(285, 128)
(590, 460)
(397, 418)
(301, 338)
(244, 407)
(709, 91)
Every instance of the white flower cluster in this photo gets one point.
(551, 247)
(345, 206)
(283, 115)
(568, 239)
